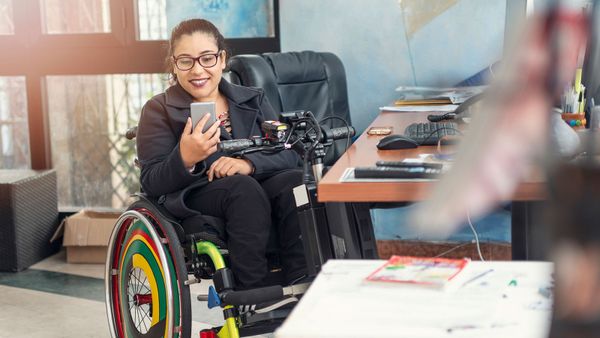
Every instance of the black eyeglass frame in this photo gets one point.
(197, 59)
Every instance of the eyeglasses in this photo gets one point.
(184, 63)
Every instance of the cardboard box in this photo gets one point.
(86, 235)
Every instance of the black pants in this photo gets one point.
(252, 210)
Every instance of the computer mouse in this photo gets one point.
(396, 141)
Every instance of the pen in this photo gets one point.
(578, 79)
(477, 277)
(461, 327)
(582, 100)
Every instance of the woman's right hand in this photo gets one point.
(196, 146)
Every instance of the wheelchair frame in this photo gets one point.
(146, 278)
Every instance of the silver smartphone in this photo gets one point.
(199, 109)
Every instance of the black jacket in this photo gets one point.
(161, 125)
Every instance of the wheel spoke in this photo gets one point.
(147, 313)
(144, 320)
(137, 316)
(137, 291)
(144, 283)
(137, 281)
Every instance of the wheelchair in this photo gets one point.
(151, 261)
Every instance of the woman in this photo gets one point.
(183, 167)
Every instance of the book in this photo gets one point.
(428, 271)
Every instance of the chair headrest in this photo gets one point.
(297, 67)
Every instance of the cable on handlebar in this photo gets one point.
(299, 131)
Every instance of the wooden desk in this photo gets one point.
(365, 153)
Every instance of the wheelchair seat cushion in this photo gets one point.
(207, 227)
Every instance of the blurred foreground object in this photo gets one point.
(510, 134)
(574, 213)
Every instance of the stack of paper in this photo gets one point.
(433, 95)
(432, 99)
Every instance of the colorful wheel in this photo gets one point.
(145, 273)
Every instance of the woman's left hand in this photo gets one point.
(229, 166)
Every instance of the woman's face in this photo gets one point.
(200, 81)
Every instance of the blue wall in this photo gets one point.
(387, 43)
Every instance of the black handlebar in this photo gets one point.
(327, 135)
(232, 146)
(332, 134)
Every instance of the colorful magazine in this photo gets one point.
(435, 272)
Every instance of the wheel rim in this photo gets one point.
(139, 298)
(139, 303)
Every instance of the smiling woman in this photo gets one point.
(198, 59)
(194, 178)
(94, 68)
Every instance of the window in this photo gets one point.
(75, 16)
(7, 26)
(61, 108)
(152, 20)
(14, 130)
(234, 18)
(88, 119)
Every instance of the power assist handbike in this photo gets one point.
(151, 261)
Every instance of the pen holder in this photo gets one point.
(574, 120)
(565, 141)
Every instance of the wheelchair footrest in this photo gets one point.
(261, 323)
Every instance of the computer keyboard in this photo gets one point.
(429, 133)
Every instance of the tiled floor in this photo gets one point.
(56, 299)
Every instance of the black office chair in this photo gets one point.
(306, 80)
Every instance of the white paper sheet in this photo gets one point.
(430, 108)
(341, 304)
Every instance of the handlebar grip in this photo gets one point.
(342, 132)
(253, 296)
(440, 118)
(231, 146)
(332, 134)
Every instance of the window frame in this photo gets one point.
(33, 54)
